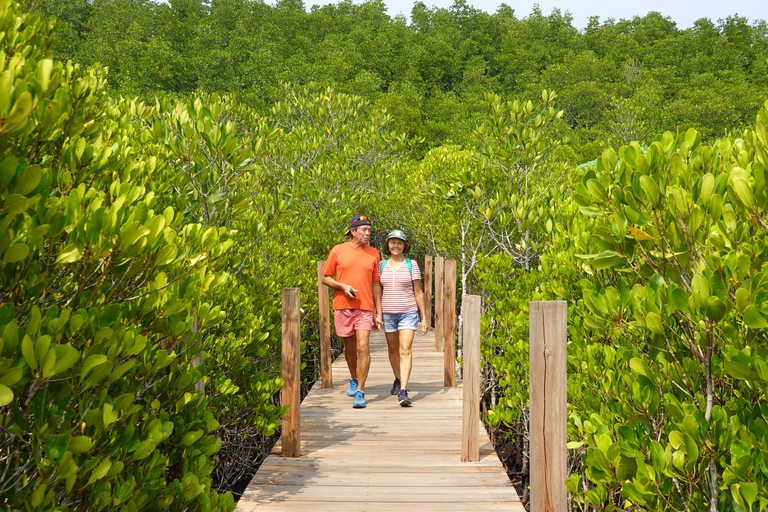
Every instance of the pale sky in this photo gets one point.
(682, 12)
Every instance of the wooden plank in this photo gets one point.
(439, 297)
(548, 398)
(470, 449)
(380, 493)
(368, 506)
(449, 325)
(290, 395)
(428, 289)
(325, 328)
(384, 457)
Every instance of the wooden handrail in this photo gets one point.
(439, 297)
(470, 424)
(428, 289)
(325, 329)
(290, 395)
(449, 324)
(548, 323)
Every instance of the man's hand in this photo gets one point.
(378, 321)
(349, 291)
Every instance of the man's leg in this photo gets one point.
(350, 354)
(363, 358)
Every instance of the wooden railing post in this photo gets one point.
(548, 323)
(470, 419)
(439, 296)
(325, 329)
(290, 395)
(449, 324)
(428, 289)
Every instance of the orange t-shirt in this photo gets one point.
(358, 268)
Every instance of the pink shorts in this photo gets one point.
(350, 320)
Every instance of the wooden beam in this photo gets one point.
(325, 329)
(290, 395)
(439, 297)
(548, 323)
(449, 325)
(470, 424)
(428, 289)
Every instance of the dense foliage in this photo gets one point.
(617, 80)
(144, 246)
(660, 253)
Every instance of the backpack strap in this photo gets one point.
(407, 262)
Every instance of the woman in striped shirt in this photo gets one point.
(401, 301)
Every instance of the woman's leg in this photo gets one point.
(393, 347)
(405, 355)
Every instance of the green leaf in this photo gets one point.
(66, 356)
(739, 371)
(190, 437)
(6, 395)
(15, 204)
(166, 255)
(19, 112)
(744, 192)
(91, 362)
(749, 491)
(79, 444)
(70, 254)
(742, 299)
(638, 366)
(754, 318)
(651, 190)
(700, 290)
(29, 180)
(707, 186)
(11, 376)
(678, 299)
(101, 471)
(28, 351)
(653, 322)
(145, 448)
(16, 252)
(596, 190)
(606, 259)
(716, 309)
(43, 74)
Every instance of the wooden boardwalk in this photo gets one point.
(384, 457)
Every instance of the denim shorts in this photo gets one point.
(394, 322)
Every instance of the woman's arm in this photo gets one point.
(420, 302)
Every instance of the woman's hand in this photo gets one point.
(424, 328)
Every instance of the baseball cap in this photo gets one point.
(358, 220)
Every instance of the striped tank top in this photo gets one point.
(398, 296)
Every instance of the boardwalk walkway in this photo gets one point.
(384, 457)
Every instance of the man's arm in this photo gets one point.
(345, 288)
(379, 316)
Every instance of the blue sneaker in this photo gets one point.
(359, 402)
(395, 387)
(352, 387)
(402, 398)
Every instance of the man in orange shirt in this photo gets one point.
(356, 300)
